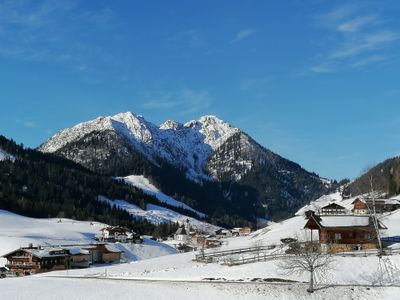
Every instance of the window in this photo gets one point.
(350, 234)
(338, 236)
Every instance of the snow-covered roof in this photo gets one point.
(333, 206)
(78, 250)
(112, 248)
(181, 230)
(45, 253)
(344, 221)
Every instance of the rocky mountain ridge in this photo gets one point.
(234, 169)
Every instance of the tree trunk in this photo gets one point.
(311, 287)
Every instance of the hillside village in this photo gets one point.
(345, 226)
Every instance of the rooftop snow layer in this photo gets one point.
(344, 221)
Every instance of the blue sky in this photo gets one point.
(315, 81)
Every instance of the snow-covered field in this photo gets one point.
(68, 289)
(178, 276)
(18, 231)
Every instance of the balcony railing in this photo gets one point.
(22, 265)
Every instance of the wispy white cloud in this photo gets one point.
(365, 42)
(30, 124)
(356, 40)
(243, 34)
(322, 68)
(336, 15)
(183, 102)
(369, 60)
(357, 23)
(53, 31)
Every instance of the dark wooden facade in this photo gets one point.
(333, 209)
(100, 253)
(27, 261)
(353, 236)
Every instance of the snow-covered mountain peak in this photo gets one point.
(134, 126)
(211, 119)
(189, 147)
(171, 125)
(214, 130)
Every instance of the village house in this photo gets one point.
(360, 207)
(344, 232)
(118, 234)
(79, 258)
(223, 233)
(33, 260)
(208, 242)
(333, 209)
(103, 253)
(383, 205)
(241, 231)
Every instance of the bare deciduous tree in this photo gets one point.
(307, 258)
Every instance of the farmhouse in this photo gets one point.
(344, 232)
(223, 233)
(32, 260)
(118, 234)
(333, 209)
(79, 258)
(241, 231)
(360, 207)
(103, 253)
(383, 205)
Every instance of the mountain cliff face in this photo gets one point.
(186, 147)
(207, 153)
(384, 177)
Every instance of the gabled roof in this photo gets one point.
(113, 229)
(105, 248)
(357, 200)
(345, 221)
(333, 206)
(42, 253)
(340, 222)
(181, 230)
